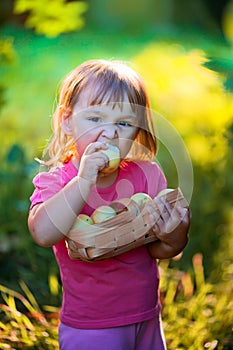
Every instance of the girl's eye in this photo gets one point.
(124, 123)
(94, 119)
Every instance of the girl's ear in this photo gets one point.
(66, 123)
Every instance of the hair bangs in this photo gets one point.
(110, 87)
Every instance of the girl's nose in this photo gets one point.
(109, 131)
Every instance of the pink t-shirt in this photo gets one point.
(117, 291)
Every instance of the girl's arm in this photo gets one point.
(170, 227)
(49, 222)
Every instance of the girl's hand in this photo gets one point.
(170, 226)
(93, 161)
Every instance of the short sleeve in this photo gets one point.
(47, 184)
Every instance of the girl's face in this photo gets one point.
(115, 124)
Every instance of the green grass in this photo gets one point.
(30, 328)
(197, 314)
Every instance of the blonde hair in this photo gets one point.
(112, 81)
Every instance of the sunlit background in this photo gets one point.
(183, 50)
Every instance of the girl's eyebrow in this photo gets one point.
(128, 116)
(102, 113)
(95, 111)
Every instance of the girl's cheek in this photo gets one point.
(125, 146)
(83, 140)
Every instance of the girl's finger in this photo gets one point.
(164, 209)
(181, 212)
(95, 147)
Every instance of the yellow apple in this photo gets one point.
(113, 154)
(102, 213)
(165, 191)
(82, 220)
(141, 198)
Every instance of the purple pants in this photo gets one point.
(147, 335)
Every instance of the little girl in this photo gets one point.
(114, 303)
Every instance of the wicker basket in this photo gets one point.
(129, 229)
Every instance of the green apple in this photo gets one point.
(82, 220)
(165, 191)
(113, 154)
(103, 213)
(141, 198)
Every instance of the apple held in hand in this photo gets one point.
(103, 213)
(82, 220)
(113, 154)
(141, 198)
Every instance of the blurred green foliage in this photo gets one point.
(20, 257)
(52, 18)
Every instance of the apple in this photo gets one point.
(113, 154)
(165, 191)
(102, 213)
(82, 220)
(141, 198)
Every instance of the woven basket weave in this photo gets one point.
(129, 229)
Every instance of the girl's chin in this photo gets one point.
(108, 172)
